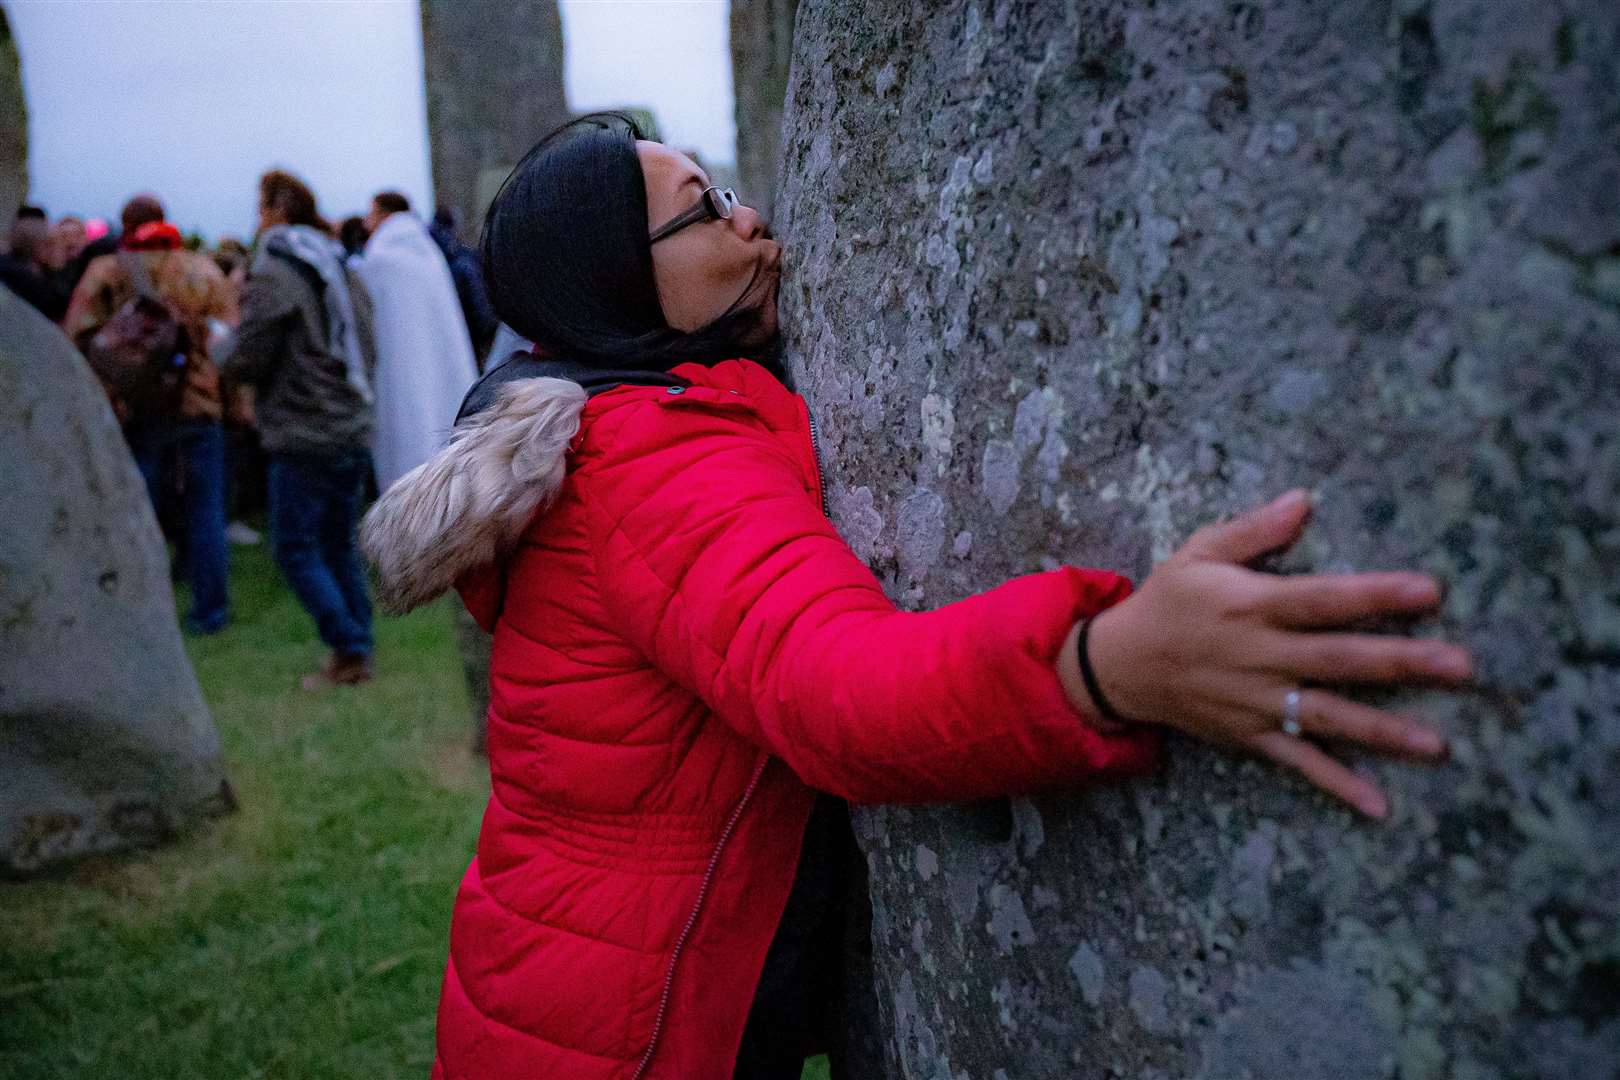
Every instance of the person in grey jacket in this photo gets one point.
(306, 343)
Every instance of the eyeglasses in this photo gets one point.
(716, 204)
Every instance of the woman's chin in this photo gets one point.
(768, 329)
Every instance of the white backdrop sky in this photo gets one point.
(193, 99)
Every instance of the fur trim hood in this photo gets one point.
(468, 505)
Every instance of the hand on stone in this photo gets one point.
(1211, 647)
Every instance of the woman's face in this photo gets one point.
(703, 270)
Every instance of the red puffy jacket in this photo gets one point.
(684, 648)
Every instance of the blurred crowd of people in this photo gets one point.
(43, 260)
(288, 377)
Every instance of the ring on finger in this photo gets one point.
(1290, 718)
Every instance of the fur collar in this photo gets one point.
(469, 504)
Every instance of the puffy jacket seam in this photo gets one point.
(616, 528)
(598, 673)
(623, 865)
(535, 920)
(767, 439)
(543, 644)
(495, 796)
(466, 992)
(540, 839)
(721, 660)
(549, 733)
(610, 817)
(600, 817)
(608, 828)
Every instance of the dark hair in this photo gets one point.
(568, 265)
(391, 202)
(352, 234)
(283, 191)
(27, 212)
(29, 238)
(141, 210)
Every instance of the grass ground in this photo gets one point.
(302, 937)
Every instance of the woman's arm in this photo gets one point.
(715, 561)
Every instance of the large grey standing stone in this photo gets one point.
(13, 125)
(105, 741)
(494, 76)
(761, 53)
(1066, 281)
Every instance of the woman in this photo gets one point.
(686, 652)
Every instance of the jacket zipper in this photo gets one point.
(697, 909)
(815, 451)
(731, 822)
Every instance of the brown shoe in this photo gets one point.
(340, 669)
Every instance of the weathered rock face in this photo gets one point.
(104, 738)
(494, 75)
(13, 125)
(1067, 281)
(761, 52)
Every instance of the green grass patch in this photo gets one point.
(301, 937)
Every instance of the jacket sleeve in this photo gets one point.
(258, 344)
(365, 319)
(715, 560)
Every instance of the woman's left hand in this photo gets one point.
(1213, 648)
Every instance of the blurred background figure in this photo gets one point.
(305, 344)
(424, 356)
(231, 256)
(138, 211)
(176, 424)
(468, 276)
(26, 265)
(353, 234)
(67, 242)
(244, 455)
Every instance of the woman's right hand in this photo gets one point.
(1212, 648)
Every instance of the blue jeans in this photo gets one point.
(314, 503)
(200, 461)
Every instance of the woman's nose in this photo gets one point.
(747, 222)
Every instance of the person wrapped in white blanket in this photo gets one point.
(424, 354)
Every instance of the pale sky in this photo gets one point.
(194, 99)
(673, 56)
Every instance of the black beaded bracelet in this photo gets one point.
(1090, 677)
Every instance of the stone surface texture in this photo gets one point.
(13, 125)
(761, 53)
(105, 741)
(494, 74)
(1066, 280)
